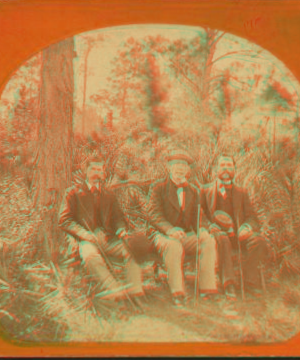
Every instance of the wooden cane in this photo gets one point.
(196, 295)
(240, 263)
(262, 276)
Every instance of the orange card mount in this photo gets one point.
(29, 26)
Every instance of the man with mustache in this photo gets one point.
(91, 214)
(173, 212)
(231, 219)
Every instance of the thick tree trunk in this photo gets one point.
(54, 153)
(84, 89)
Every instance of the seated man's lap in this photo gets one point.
(163, 243)
(114, 248)
(191, 242)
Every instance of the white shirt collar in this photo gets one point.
(224, 182)
(90, 186)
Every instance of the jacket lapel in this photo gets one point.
(188, 197)
(172, 195)
(104, 208)
(236, 204)
(85, 199)
(212, 193)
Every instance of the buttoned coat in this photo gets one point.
(81, 213)
(243, 211)
(164, 209)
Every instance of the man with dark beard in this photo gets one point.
(91, 214)
(231, 220)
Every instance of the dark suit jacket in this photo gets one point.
(242, 209)
(78, 213)
(164, 208)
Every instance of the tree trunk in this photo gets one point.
(53, 164)
(274, 139)
(84, 89)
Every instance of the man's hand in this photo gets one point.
(96, 237)
(251, 243)
(100, 235)
(245, 231)
(90, 237)
(122, 233)
(203, 232)
(177, 233)
(214, 228)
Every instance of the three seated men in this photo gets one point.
(97, 218)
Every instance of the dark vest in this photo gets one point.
(225, 205)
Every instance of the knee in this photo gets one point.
(175, 247)
(207, 240)
(87, 251)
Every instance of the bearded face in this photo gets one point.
(226, 169)
(95, 172)
(179, 170)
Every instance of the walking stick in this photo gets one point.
(240, 263)
(262, 276)
(196, 295)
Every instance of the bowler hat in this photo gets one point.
(222, 219)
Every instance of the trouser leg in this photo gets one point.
(171, 252)
(225, 263)
(253, 257)
(134, 277)
(96, 266)
(117, 249)
(207, 260)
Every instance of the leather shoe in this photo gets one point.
(178, 301)
(212, 296)
(230, 292)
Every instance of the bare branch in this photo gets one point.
(214, 78)
(244, 53)
(218, 39)
(187, 78)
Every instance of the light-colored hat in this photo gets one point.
(179, 155)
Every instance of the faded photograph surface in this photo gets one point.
(149, 190)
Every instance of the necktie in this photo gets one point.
(94, 191)
(180, 190)
(222, 191)
(223, 188)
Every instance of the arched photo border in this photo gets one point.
(28, 26)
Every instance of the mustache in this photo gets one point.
(97, 178)
(230, 173)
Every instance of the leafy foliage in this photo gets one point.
(40, 298)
